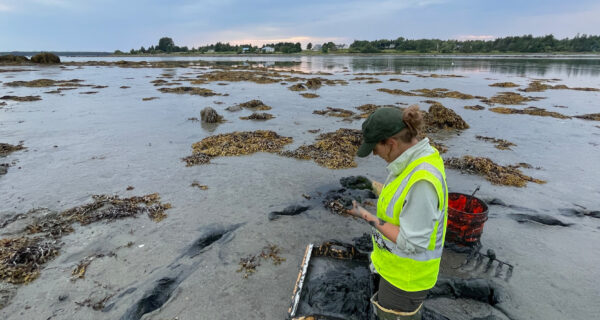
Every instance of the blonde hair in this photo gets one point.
(413, 119)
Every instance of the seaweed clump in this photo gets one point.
(335, 112)
(440, 117)
(539, 86)
(45, 83)
(504, 84)
(500, 143)
(255, 105)
(248, 265)
(591, 116)
(495, 173)
(297, 87)
(509, 98)
(314, 83)
(369, 108)
(6, 149)
(235, 144)
(13, 59)
(430, 93)
(334, 150)
(475, 107)
(21, 99)
(21, 258)
(258, 116)
(309, 95)
(533, 111)
(190, 90)
(45, 58)
(210, 115)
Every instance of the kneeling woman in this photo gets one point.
(410, 225)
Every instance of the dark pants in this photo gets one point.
(393, 298)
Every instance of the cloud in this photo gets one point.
(5, 7)
(474, 37)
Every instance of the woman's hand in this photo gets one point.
(360, 212)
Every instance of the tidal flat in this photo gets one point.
(70, 156)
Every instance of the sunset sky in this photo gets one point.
(107, 25)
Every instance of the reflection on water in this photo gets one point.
(566, 66)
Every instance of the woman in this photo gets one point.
(410, 224)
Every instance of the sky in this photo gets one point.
(108, 25)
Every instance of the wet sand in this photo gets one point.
(110, 140)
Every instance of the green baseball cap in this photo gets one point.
(380, 125)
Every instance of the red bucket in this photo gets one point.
(466, 216)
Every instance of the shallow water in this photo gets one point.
(79, 145)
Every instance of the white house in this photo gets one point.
(317, 47)
(268, 49)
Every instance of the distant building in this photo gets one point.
(317, 47)
(245, 49)
(210, 51)
(268, 49)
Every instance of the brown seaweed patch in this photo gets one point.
(124, 87)
(264, 77)
(13, 59)
(45, 83)
(438, 146)
(443, 93)
(45, 58)
(88, 92)
(197, 184)
(504, 84)
(495, 173)
(21, 99)
(196, 159)
(22, 258)
(258, 116)
(235, 144)
(475, 107)
(397, 92)
(533, 111)
(335, 112)
(6, 149)
(99, 87)
(314, 83)
(369, 108)
(255, 105)
(190, 90)
(499, 143)
(310, 95)
(539, 86)
(334, 150)
(150, 98)
(440, 117)
(591, 116)
(249, 264)
(398, 80)
(510, 98)
(297, 87)
(81, 268)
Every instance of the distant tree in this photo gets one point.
(118, 52)
(142, 50)
(132, 51)
(309, 46)
(166, 44)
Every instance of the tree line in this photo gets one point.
(520, 44)
(167, 45)
(517, 44)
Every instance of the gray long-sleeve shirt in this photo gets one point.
(419, 214)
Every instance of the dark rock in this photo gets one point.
(497, 202)
(210, 115)
(3, 168)
(45, 58)
(289, 211)
(579, 212)
(12, 59)
(540, 218)
(63, 297)
(234, 108)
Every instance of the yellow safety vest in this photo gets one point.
(419, 271)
